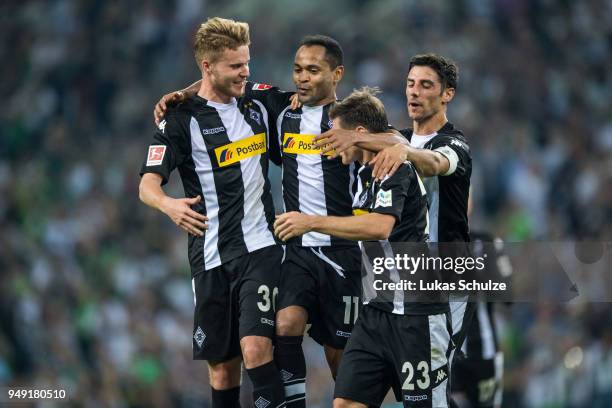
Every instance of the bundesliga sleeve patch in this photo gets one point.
(156, 155)
(384, 199)
(261, 87)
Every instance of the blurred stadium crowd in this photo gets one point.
(94, 287)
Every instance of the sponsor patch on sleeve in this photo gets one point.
(156, 155)
(261, 87)
(384, 199)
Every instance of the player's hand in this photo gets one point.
(168, 99)
(335, 141)
(291, 224)
(387, 161)
(180, 212)
(295, 101)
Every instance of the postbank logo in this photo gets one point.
(300, 144)
(242, 149)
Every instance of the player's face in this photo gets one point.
(351, 154)
(424, 94)
(313, 77)
(229, 73)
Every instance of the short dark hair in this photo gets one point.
(361, 108)
(446, 69)
(333, 51)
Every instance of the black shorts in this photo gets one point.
(480, 380)
(326, 282)
(408, 353)
(235, 300)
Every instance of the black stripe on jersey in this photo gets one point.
(193, 188)
(336, 190)
(231, 206)
(291, 186)
(259, 127)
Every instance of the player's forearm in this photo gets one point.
(376, 142)
(193, 88)
(427, 162)
(150, 191)
(354, 228)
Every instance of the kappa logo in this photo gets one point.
(255, 116)
(261, 402)
(293, 115)
(199, 337)
(441, 375)
(162, 125)
(343, 333)
(242, 149)
(459, 143)
(212, 131)
(261, 87)
(156, 155)
(415, 397)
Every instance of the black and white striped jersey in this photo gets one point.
(404, 197)
(312, 183)
(221, 152)
(447, 194)
(482, 342)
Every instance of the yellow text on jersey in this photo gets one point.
(234, 152)
(301, 144)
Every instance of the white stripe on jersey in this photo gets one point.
(311, 182)
(439, 341)
(254, 225)
(486, 331)
(398, 294)
(203, 168)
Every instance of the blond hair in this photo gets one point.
(217, 34)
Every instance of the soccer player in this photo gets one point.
(320, 274)
(477, 376)
(398, 341)
(441, 155)
(217, 139)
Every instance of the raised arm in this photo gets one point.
(341, 139)
(172, 98)
(427, 162)
(367, 227)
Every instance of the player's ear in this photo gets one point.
(205, 66)
(338, 73)
(361, 129)
(447, 95)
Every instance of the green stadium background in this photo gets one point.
(95, 294)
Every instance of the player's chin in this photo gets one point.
(237, 90)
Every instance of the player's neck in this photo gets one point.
(429, 125)
(208, 92)
(366, 156)
(325, 101)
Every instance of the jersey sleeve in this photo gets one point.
(275, 101)
(272, 98)
(456, 151)
(392, 194)
(168, 149)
